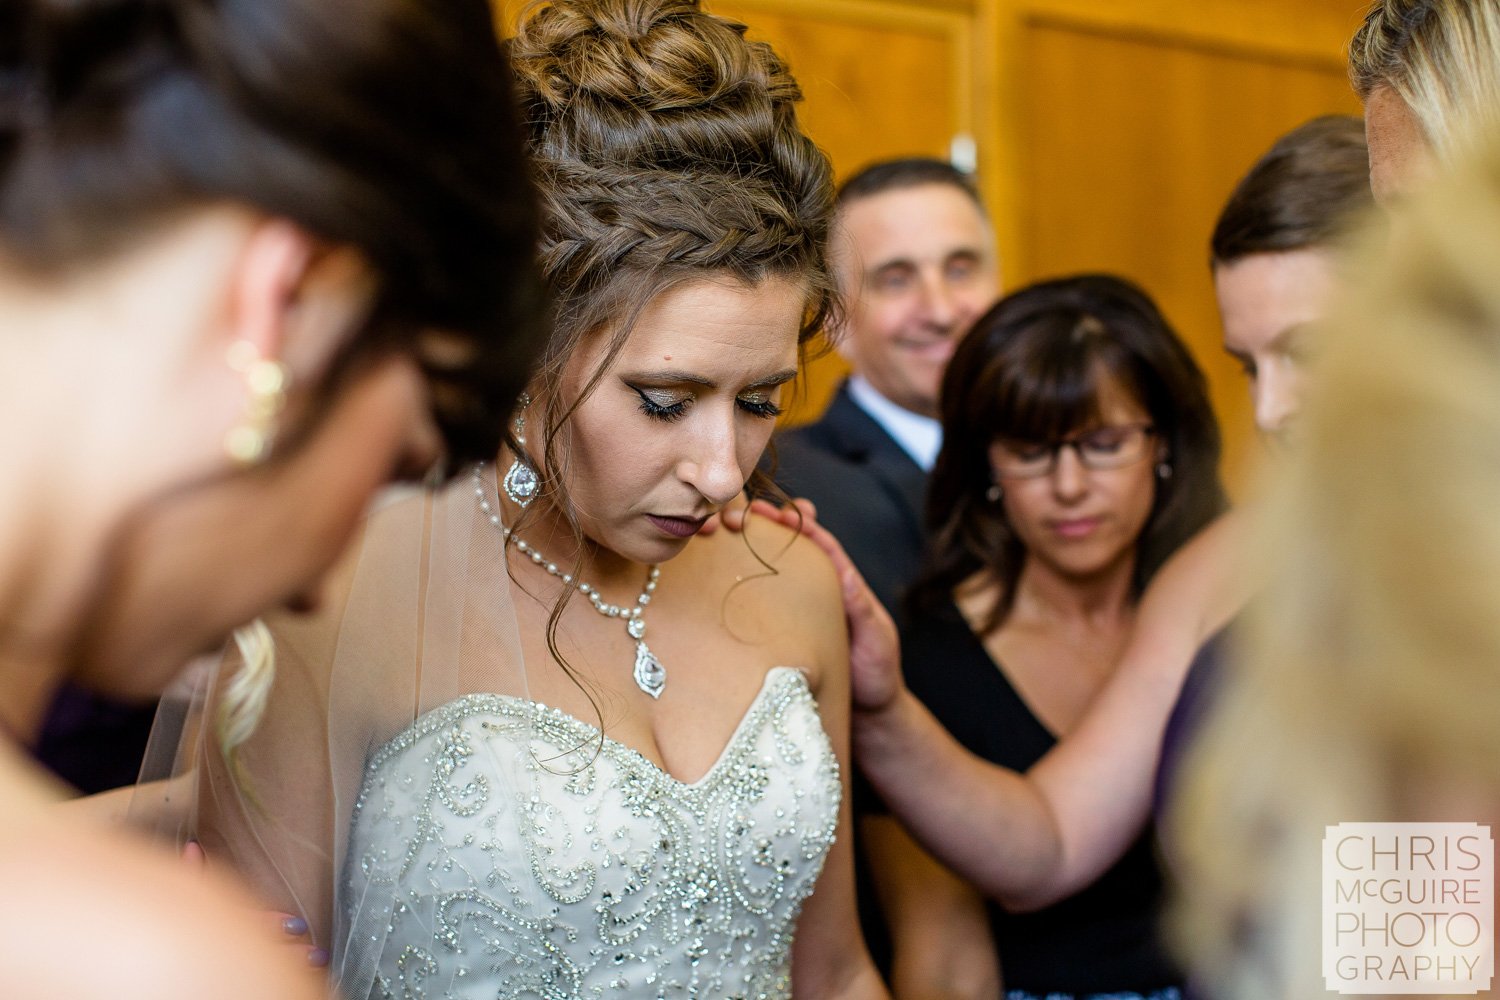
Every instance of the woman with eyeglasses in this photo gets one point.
(1079, 452)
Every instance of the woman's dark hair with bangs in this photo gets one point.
(1031, 370)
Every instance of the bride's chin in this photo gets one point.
(655, 553)
(644, 550)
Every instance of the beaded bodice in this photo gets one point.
(589, 872)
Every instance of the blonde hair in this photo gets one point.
(245, 694)
(1442, 57)
(1369, 677)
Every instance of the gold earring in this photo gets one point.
(249, 441)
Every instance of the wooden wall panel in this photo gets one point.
(911, 99)
(1132, 145)
(1316, 29)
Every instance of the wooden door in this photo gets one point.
(1132, 143)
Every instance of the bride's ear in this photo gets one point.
(296, 301)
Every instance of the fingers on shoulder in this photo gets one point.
(810, 582)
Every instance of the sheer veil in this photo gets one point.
(421, 617)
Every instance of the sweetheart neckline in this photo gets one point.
(700, 782)
(724, 753)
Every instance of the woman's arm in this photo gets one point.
(1099, 781)
(1029, 840)
(274, 816)
(942, 948)
(271, 820)
(829, 957)
(108, 808)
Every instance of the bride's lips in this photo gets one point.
(677, 527)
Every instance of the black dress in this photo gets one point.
(1102, 940)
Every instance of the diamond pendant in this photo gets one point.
(650, 675)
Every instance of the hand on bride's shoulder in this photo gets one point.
(90, 914)
(783, 578)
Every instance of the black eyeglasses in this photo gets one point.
(1098, 449)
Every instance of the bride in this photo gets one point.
(572, 747)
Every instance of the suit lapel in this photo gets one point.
(860, 439)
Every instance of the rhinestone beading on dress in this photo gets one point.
(588, 872)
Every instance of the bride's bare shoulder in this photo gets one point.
(90, 914)
(779, 572)
(767, 546)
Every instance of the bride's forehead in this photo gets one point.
(717, 321)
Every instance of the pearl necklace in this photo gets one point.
(650, 675)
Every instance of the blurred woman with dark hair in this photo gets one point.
(238, 294)
(1079, 452)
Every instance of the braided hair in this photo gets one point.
(667, 149)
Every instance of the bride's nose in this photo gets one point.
(713, 465)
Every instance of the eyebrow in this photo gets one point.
(680, 377)
(892, 264)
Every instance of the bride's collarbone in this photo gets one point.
(718, 646)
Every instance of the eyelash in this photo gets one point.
(765, 409)
(656, 411)
(759, 408)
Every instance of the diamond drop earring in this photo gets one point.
(521, 483)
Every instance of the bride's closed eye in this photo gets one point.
(759, 404)
(660, 404)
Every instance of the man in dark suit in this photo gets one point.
(914, 256)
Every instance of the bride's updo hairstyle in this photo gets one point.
(384, 125)
(667, 150)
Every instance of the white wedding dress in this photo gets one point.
(589, 872)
